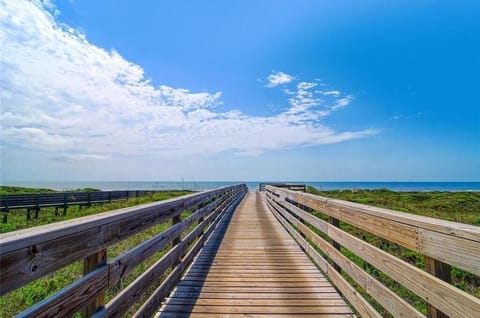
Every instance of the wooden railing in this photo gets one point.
(442, 243)
(37, 201)
(28, 255)
(290, 186)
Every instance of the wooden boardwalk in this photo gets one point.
(251, 267)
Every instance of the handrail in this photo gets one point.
(443, 243)
(27, 255)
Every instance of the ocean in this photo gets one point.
(252, 185)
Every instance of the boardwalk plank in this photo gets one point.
(252, 267)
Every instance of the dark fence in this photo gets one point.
(34, 202)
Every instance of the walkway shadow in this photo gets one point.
(187, 292)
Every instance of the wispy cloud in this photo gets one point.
(62, 94)
(278, 78)
(308, 104)
(407, 116)
(335, 93)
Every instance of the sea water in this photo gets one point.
(252, 185)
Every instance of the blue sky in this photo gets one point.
(240, 90)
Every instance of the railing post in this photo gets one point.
(65, 203)
(6, 210)
(37, 208)
(442, 271)
(336, 222)
(90, 263)
(177, 219)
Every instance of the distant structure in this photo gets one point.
(289, 186)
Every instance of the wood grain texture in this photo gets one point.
(387, 298)
(84, 291)
(132, 293)
(27, 255)
(453, 243)
(360, 304)
(440, 294)
(90, 264)
(154, 301)
(251, 266)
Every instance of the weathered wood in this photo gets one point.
(121, 266)
(271, 296)
(466, 231)
(24, 238)
(26, 255)
(245, 289)
(358, 302)
(388, 299)
(125, 263)
(253, 310)
(429, 236)
(154, 301)
(245, 244)
(336, 222)
(127, 297)
(455, 251)
(27, 264)
(269, 315)
(442, 271)
(83, 291)
(458, 303)
(91, 263)
(176, 219)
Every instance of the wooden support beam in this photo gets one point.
(336, 222)
(91, 263)
(442, 271)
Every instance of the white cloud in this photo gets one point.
(342, 102)
(62, 94)
(278, 78)
(335, 93)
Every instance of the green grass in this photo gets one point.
(17, 219)
(26, 296)
(461, 207)
(24, 190)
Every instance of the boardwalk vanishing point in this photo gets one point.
(251, 266)
(271, 253)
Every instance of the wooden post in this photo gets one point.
(89, 264)
(37, 206)
(65, 203)
(336, 222)
(5, 220)
(176, 219)
(442, 271)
